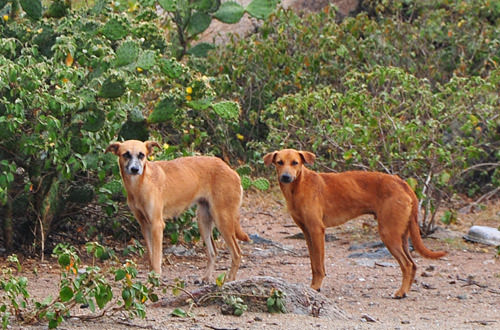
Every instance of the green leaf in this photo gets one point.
(202, 104)
(198, 23)
(112, 87)
(171, 68)
(64, 260)
(168, 5)
(114, 30)
(127, 53)
(244, 170)
(206, 5)
(201, 49)
(164, 111)
(412, 182)
(179, 312)
(65, 294)
(230, 12)
(220, 279)
(33, 8)
(261, 8)
(146, 60)
(261, 183)
(227, 110)
(95, 120)
(246, 182)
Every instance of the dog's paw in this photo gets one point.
(399, 295)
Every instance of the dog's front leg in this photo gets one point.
(146, 233)
(156, 232)
(314, 233)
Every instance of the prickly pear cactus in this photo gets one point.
(246, 182)
(81, 194)
(112, 87)
(33, 8)
(261, 183)
(94, 122)
(227, 110)
(127, 53)
(244, 170)
(114, 30)
(163, 111)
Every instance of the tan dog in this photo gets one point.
(319, 200)
(164, 189)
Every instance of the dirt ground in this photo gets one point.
(460, 291)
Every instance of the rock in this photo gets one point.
(328, 237)
(483, 235)
(298, 299)
(377, 254)
(180, 251)
(445, 233)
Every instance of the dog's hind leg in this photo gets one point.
(397, 244)
(205, 225)
(225, 222)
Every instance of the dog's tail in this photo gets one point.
(240, 234)
(416, 239)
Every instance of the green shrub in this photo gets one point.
(70, 85)
(435, 40)
(444, 140)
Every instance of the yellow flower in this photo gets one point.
(6, 17)
(166, 146)
(188, 97)
(189, 90)
(139, 69)
(240, 137)
(151, 157)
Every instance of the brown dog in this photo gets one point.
(164, 189)
(319, 200)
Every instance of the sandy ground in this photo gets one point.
(460, 291)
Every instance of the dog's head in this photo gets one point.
(288, 163)
(132, 154)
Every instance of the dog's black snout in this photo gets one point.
(286, 178)
(134, 170)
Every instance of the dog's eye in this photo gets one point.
(127, 155)
(140, 156)
(279, 162)
(295, 162)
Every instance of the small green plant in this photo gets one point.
(235, 304)
(14, 298)
(276, 302)
(89, 286)
(135, 248)
(449, 217)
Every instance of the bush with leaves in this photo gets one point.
(86, 286)
(71, 84)
(291, 53)
(191, 18)
(442, 140)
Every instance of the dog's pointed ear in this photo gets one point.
(150, 145)
(269, 158)
(307, 157)
(113, 147)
